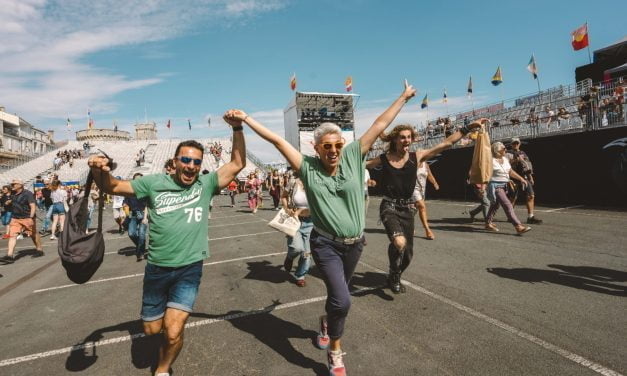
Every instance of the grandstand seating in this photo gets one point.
(157, 153)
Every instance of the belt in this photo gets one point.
(400, 201)
(346, 241)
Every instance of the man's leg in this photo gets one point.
(174, 324)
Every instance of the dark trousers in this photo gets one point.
(398, 220)
(337, 263)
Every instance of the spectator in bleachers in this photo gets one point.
(5, 202)
(562, 114)
(533, 120)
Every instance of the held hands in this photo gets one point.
(98, 162)
(235, 117)
(478, 123)
(409, 92)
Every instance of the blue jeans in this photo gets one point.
(299, 246)
(48, 218)
(137, 233)
(6, 218)
(169, 287)
(337, 263)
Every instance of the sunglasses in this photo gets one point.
(328, 145)
(186, 160)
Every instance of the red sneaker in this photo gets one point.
(336, 363)
(6, 236)
(323, 340)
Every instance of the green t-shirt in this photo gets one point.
(336, 203)
(178, 218)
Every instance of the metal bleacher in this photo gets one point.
(157, 153)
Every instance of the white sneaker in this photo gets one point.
(19, 237)
(53, 237)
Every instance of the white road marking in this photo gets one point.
(142, 274)
(508, 328)
(235, 224)
(65, 350)
(226, 237)
(232, 216)
(558, 209)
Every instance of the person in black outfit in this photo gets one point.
(397, 181)
(45, 193)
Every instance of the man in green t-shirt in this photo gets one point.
(178, 231)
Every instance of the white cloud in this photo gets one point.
(45, 43)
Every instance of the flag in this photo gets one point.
(497, 79)
(445, 97)
(293, 82)
(531, 67)
(189, 124)
(168, 125)
(89, 121)
(580, 37)
(69, 123)
(349, 83)
(425, 102)
(90, 124)
(470, 86)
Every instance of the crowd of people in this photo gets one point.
(328, 194)
(67, 156)
(215, 149)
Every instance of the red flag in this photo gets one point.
(293, 82)
(168, 124)
(349, 83)
(580, 37)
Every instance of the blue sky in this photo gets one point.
(197, 58)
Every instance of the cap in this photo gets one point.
(515, 140)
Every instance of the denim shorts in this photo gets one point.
(169, 287)
(58, 208)
(6, 218)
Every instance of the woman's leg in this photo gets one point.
(61, 221)
(422, 213)
(53, 229)
(501, 197)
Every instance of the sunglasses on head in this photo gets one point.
(186, 160)
(328, 145)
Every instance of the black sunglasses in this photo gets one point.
(186, 160)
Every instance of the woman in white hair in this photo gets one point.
(333, 183)
(497, 190)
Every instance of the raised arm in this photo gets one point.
(108, 184)
(373, 163)
(229, 171)
(293, 157)
(450, 140)
(385, 119)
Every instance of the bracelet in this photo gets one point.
(237, 128)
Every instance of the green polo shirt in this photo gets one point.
(177, 217)
(336, 203)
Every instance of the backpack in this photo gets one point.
(81, 254)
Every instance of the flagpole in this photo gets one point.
(538, 82)
(588, 35)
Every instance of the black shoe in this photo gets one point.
(139, 259)
(8, 259)
(38, 254)
(533, 221)
(394, 282)
(287, 264)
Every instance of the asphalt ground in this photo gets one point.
(551, 302)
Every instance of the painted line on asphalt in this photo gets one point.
(111, 341)
(141, 274)
(510, 329)
(564, 208)
(222, 238)
(235, 224)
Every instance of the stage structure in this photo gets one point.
(306, 111)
